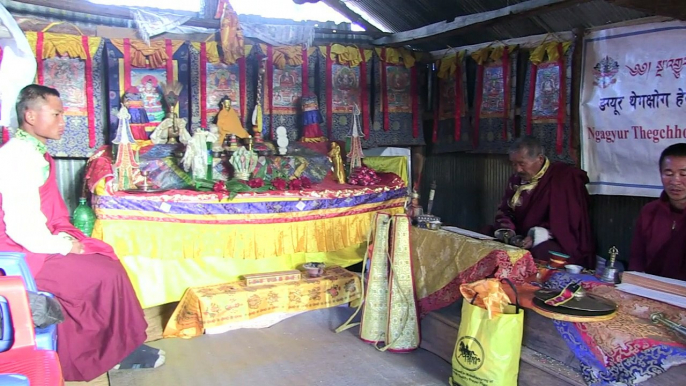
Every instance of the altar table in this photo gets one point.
(178, 239)
(219, 305)
(443, 260)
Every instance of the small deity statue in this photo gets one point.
(337, 161)
(228, 121)
(196, 158)
(139, 117)
(172, 127)
(415, 208)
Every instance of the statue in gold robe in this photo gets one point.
(228, 122)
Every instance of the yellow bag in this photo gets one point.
(487, 351)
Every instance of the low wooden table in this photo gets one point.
(220, 305)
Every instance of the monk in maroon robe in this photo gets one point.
(104, 326)
(546, 205)
(659, 243)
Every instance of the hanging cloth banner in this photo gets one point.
(452, 131)
(285, 72)
(494, 100)
(214, 80)
(71, 64)
(136, 72)
(395, 102)
(548, 89)
(343, 69)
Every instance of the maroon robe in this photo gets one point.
(659, 244)
(104, 321)
(559, 203)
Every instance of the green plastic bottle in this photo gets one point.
(84, 217)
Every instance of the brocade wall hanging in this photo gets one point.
(283, 87)
(344, 79)
(494, 100)
(72, 65)
(452, 130)
(397, 114)
(137, 67)
(212, 79)
(547, 86)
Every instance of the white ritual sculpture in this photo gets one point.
(282, 140)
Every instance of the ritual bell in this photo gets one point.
(610, 271)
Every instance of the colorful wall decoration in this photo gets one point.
(397, 112)
(132, 63)
(72, 65)
(452, 130)
(211, 79)
(547, 86)
(494, 100)
(344, 81)
(289, 72)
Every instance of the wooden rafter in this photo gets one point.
(669, 8)
(474, 21)
(340, 6)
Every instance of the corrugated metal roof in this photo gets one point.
(405, 15)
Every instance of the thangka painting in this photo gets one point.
(494, 102)
(452, 129)
(541, 116)
(212, 80)
(397, 111)
(77, 76)
(135, 67)
(289, 73)
(344, 78)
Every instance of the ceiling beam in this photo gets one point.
(472, 22)
(117, 12)
(343, 9)
(669, 8)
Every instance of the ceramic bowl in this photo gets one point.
(573, 268)
(314, 269)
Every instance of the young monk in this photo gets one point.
(104, 326)
(659, 243)
(546, 205)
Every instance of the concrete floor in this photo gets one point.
(299, 351)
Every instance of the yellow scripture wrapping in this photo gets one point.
(487, 351)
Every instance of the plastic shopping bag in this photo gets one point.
(487, 351)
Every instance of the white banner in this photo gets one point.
(632, 105)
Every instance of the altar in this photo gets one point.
(177, 239)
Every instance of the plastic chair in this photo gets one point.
(14, 264)
(39, 367)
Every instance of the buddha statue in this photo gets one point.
(228, 121)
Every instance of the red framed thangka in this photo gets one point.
(547, 93)
(451, 128)
(212, 80)
(397, 117)
(494, 99)
(137, 71)
(72, 65)
(288, 75)
(345, 82)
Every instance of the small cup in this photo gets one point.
(573, 268)
(314, 269)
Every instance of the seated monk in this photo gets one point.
(546, 205)
(228, 122)
(659, 243)
(104, 326)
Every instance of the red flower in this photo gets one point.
(306, 183)
(219, 187)
(256, 183)
(279, 184)
(296, 184)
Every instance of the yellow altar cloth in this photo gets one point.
(443, 260)
(174, 240)
(222, 304)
